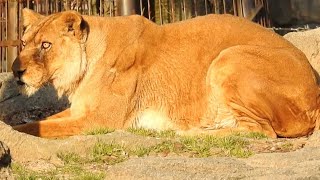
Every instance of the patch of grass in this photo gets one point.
(142, 132)
(234, 146)
(167, 134)
(229, 142)
(252, 135)
(68, 158)
(112, 153)
(240, 152)
(72, 169)
(69, 171)
(74, 166)
(198, 146)
(202, 146)
(230, 146)
(91, 176)
(21, 173)
(140, 151)
(97, 131)
(152, 133)
(287, 146)
(164, 147)
(108, 153)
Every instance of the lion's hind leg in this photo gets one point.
(243, 125)
(235, 103)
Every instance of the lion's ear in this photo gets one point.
(74, 25)
(30, 17)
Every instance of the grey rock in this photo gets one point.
(309, 43)
(8, 87)
(27, 148)
(314, 140)
(301, 164)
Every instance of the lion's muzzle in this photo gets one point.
(18, 71)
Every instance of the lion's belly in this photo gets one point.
(153, 119)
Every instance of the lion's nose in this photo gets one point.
(17, 68)
(20, 73)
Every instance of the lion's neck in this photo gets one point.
(93, 51)
(96, 43)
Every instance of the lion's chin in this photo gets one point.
(28, 90)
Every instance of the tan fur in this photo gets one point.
(215, 74)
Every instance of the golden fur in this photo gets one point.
(214, 74)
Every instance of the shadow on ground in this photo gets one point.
(18, 109)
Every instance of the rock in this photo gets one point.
(309, 43)
(5, 161)
(300, 164)
(303, 164)
(26, 148)
(8, 87)
(314, 140)
(179, 168)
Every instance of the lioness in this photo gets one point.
(214, 74)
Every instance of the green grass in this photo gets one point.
(73, 168)
(252, 135)
(73, 163)
(68, 158)
(229, 145)
(140, 151)
(197, 146)
(21, 173)
(167, 134)
(91, 176)
(164, 147)
(152, 133)
(287, 146)
(110, 153)
(97, 131)
(234, 146)
(200, 146)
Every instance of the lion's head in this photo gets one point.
(53, 51)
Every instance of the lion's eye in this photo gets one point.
(45, 45)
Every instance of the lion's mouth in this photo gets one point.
(20, 83)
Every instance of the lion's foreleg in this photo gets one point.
(54, 127)
(62, 114)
